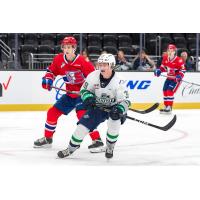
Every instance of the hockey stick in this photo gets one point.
(163, 128)
(67, 91)
(181, 80)
(134, 110)
(148, 110)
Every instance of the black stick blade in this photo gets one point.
(170, 124)
(163, 128)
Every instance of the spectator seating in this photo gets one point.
(48, 39)
(175, 35)
(180, 42)
(57, 49)
(124, 41)
(60, 37)
(166, 35)
(110, 49)
(94, 50)
(3, 37)
(191, 43)
(94, 40)
(190, 35)
(84, 40)
(112, 34)
(150, 36)
(31, 39)
(135, 38)
(25, 53)
(127, 50)
(164, 43)
(193, 52)
(45, 49)
(109, 40)
(11, 40)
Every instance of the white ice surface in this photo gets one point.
(137, 144)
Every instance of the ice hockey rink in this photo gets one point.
(137, 145)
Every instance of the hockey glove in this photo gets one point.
(157, 72)
(47, 83)
(178, 78)
(116, 112)
(89, 103)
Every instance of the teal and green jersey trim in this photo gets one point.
(86, 94)
(121, 107)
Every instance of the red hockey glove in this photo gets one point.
(47, 83)
(157, 72)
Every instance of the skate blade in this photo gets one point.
(98, 149)
(46, 146)
(109, 157)
(62, 158)
(166, 113)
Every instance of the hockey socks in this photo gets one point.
(52, 117)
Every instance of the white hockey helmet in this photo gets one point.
(107, 58)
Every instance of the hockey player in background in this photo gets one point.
(101, 90)
(174, 66)
(73, 68)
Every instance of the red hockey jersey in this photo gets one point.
(173, 67)
(73, 72)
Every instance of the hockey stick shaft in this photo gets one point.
(67, 91)
(163, 128)
(181, 80)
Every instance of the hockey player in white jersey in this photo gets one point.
(106, 99)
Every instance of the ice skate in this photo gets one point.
(64, 153)
(109, 150)
(67, 152)
(97, 146)
(43, 143)
(167, 110)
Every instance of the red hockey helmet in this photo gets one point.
(172, 46)
(69, 40)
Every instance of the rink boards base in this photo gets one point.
(43, 107)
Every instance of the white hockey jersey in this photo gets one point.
(114, 93)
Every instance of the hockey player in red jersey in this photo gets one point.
(174, 66)
(74, 69)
